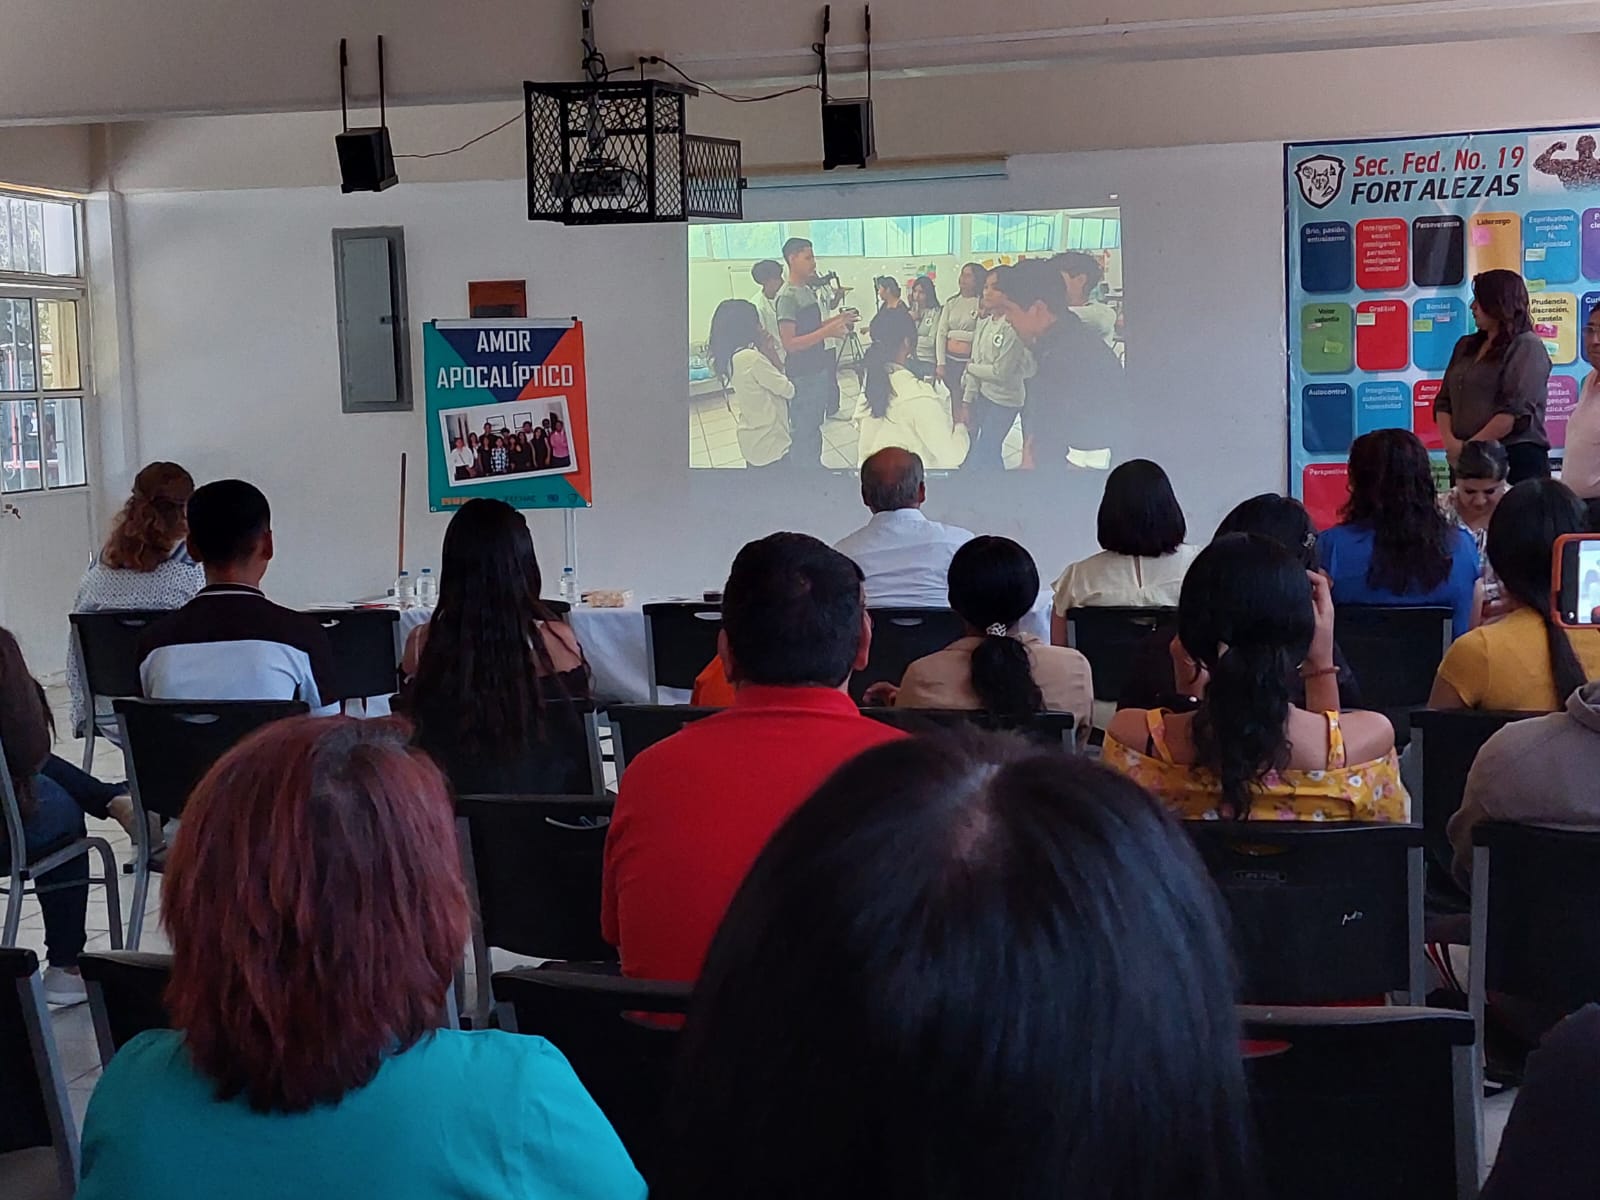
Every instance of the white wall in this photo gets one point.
(234, 360)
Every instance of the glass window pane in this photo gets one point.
(19, 446)
(1075, 234)
(1113, 233)
(63, 442)
(16, 346)
(836, 238)
(58, 345)
(1092, 230)
(60, 238)
(1013, 233)
(985, 233)
(898, 236)
(931, 236)
(756, 240)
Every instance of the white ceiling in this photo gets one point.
(98, 60)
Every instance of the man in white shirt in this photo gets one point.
(768, 275)
(904, 556)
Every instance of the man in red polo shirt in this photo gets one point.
(694, 810)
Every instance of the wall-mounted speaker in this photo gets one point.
(366, 159)
(847, 137)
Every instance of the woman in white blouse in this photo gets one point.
(746, 357)
(1143, 556)
(902, 410)
(144, 563)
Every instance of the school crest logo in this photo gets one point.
(1320, 178)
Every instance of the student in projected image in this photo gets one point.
(958, 321)
(903, 410)
(746, 357)
(1083, 274)
(811, 364)
(1591, 598)
(994, 380)
(769, 282)
(888, 289)
(925, 311)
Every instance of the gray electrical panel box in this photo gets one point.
(369, 278)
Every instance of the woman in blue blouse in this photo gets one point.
(1393, 546)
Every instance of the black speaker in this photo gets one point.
(847, 139)
(366, 159)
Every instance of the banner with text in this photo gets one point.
(508, 413)
(1383, 239)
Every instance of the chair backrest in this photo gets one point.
(637, 727)
(171, 744)
(564, 761)
(536, 864)
(680, 639)
(1321, 913)
(127, 995)
(1451, 739)
(109, 645)
(1535, 893)
(900, 636)
(1395, 653)
(366, 651)
(1054, 730)
(1378, 1103)
(623, 1062)
(33, 1093)
(1110, 639)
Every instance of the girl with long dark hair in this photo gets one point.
(1251, 617)
(1497, 382)
(747, 359)
(493, 672)
(1524, 662)
(1393, 546)
(902, 410)
(994, 667)
(925, 311)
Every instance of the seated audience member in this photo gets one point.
(901, 408)
(230, 642)
(317, 913)
(1481, 471)
(1545, 1151)
(1007, 961)
(1151, 680)
(492, 674)
(1393, 546)
(996, 668)
(1249, 616)
(1524, 662)
(144, 564)
(693, 811)
(1142, 556)
(904, 557)
(1540, 771)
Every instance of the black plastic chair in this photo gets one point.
(1395, 653)
(900, 636)
(625, 1063)
(535, 865)
(1376, 1103)
(22, 870)
(1535, 893)
(1320, 913)
(127, 995)
(38, 1137)
(637, 727)
(366, 651)
(564, 761)
(1054, 730)
(680, 639)
(1450, 741)
(107, 646)
(170, 745)
(1110, 639)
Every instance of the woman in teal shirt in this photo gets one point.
(316, 912)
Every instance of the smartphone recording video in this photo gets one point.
(1577, 581)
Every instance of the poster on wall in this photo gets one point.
(508, 413)
(1383, 239)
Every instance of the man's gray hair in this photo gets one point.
(891, 479)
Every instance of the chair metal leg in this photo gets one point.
(141, 876)
(13, 911)
(88, 736)
(108, 866)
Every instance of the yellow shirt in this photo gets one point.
(1506, 666)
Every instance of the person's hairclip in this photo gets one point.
(998, 630)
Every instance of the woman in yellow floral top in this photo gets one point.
(1248, 618)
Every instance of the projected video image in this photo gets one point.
(813, 344)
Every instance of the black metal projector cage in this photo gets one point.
(618, 153)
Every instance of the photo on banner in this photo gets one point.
(486, 446)
(1383, 239)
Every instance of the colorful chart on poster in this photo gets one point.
(1383, 239)
(508, 413)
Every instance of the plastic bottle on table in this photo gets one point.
(427, 588)
(569, 585)
(404, 594)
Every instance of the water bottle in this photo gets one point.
(427, 588)
(569, 585)
(404, 595)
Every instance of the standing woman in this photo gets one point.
(957, 323)
(499, 455)
(475, 467)
(561, 452)
(746, 357)
(539, 451)
(1496, 384)
(925, 311)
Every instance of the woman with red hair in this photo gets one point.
(316, 911)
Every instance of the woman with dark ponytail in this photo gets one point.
(993, 585)
(1524, 662)
(902, 410)
(1249, 618)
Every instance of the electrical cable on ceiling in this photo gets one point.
(657, 60)
(471, 142)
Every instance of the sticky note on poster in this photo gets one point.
(1494, 242)
(1327, 339)
(1555, 320)
(1383, 335)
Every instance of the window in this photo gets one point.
(748, 241)
(42, 343)
(836, 239)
